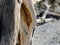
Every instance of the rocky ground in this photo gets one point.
(47, 34)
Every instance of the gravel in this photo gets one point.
(47, 34)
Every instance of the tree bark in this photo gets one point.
(12, 22)
(27, 22)
(7, 21)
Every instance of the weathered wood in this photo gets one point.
(16, 18)
(27, 21)
(7, 21)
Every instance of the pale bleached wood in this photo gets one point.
(12, 22)
(27, 22)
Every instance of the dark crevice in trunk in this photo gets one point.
(18, 40)
(0, 29)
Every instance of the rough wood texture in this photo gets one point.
(12, 24)
(7, 21)
(9, 13)
(27, 21)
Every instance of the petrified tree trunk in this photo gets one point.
(16, 17)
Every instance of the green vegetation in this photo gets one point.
(40, 4)
(50, 2)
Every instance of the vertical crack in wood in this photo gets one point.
(18, 40)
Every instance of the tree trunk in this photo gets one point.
(11, 24)
(27, 21)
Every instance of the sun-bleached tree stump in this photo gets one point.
(17, 21)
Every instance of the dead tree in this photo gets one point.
(17, 21)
